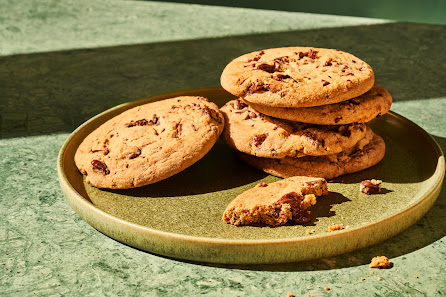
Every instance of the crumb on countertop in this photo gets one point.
(380, 262)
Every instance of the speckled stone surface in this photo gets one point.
(63, 62)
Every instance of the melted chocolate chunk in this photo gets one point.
(212, 114)
(239, 104)
(101, 167)
(256, 87)
(299, 215)
(259, 139)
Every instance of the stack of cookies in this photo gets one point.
(304, 111)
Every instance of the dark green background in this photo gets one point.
(427, 11)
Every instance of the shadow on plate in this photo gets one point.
(219, 170)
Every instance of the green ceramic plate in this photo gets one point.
(180, 217)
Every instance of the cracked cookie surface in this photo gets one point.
(259, 135)
(149, 143)
(277, 203)
(297, 77)
(327, 167)
(370, 105)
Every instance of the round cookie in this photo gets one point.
(326, 166)
(149, 143)
(362, 109)
(259, 135)
(297, 77)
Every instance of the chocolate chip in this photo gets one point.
(178, 128)
(325, 83)
(257, 86)
(133, 155)
(311, 54)
(142, 122)
(259, 139)
(250, 115)
(262, 185)
(154, 120)
(267, 67)
(300, 54)
(204, 99)
(239, 104)
(99, 166)
(105, 150)
(212, 114)
(299, 215)
(280, 77)
(336, 120)
(328, 62)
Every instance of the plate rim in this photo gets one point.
(72, 195)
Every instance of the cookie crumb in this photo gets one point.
(397, 270)
(378, 278)
(310, 231)
(415, 276)
(371, 272)
(327, 289)
(370, 187)
(335, 227)
(380, 262)
(362, 278)
(289, 295)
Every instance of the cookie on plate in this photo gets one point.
(297, 77)
(149, 143)
(372, 104)
(253, 133)
(277, 203)
(327, 167)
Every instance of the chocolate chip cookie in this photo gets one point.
(297, 77)
(149, 143)
(372, 104)
(259, 135)
(277, 203)
(327, 167)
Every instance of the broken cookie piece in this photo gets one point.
(380, 262)
(277, 203)
(369, 187)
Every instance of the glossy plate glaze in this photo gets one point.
(180, 217)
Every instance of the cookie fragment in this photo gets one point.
(277, 203)
(370, 187)
(380, 262)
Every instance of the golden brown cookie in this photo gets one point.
(259, 135)
(297, 77)
(362, 109)
(149, 143)
(277, 203)
(324, 166)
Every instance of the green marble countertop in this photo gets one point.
(61, 62)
